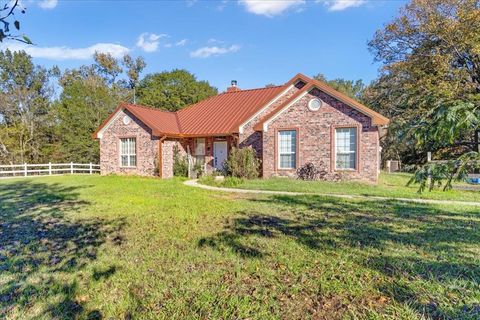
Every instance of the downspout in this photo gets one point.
(160, 156)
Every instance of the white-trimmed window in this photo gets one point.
(200, 150)
(287, 149)
(128, 152)
(346, 148)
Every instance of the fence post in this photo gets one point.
(429, 156)
(25, 173)
(49, 168)
(71, 167)
(91, 169)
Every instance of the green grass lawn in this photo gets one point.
(93, 247)
(389, 185)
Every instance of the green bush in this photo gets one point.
(242, 163)
(180, 164)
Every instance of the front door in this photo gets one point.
(219, 154)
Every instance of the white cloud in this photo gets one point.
(48, 4)
(222, 5)
(181, 43)
(206, 52)
(148, 42)
(66, 53)
(270, 8)
(339, 5)
(213, 40)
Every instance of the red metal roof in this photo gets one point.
(218, 115)
(158, 120)
(224, 113)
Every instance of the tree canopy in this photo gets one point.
(430, 80)
(25, 93)
(89, 94)
(352, 88)
(173, 90)
(49, 115)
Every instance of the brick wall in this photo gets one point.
(168, 147)
(147, 147)
(315, 133)
(250, 137)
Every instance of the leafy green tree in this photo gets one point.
(134, 68)
(83, 104)
(107, 67)
(89, 95)
(25, 93)
(353, 89)
(430, 80)
(173, 90)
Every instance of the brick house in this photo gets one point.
(302, 121)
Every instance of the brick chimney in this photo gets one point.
(233, 87)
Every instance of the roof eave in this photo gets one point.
(192, 135)
(106, 121)
(382, 122)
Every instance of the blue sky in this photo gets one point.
(254, 42)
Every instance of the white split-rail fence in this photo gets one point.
(47, 169)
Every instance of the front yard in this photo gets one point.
(95, 247)
(389, 185)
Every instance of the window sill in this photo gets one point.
(128, 167)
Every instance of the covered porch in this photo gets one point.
(207, 152)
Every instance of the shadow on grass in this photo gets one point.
(42, 247)
(370, 229)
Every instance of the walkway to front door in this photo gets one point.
(219, 154)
